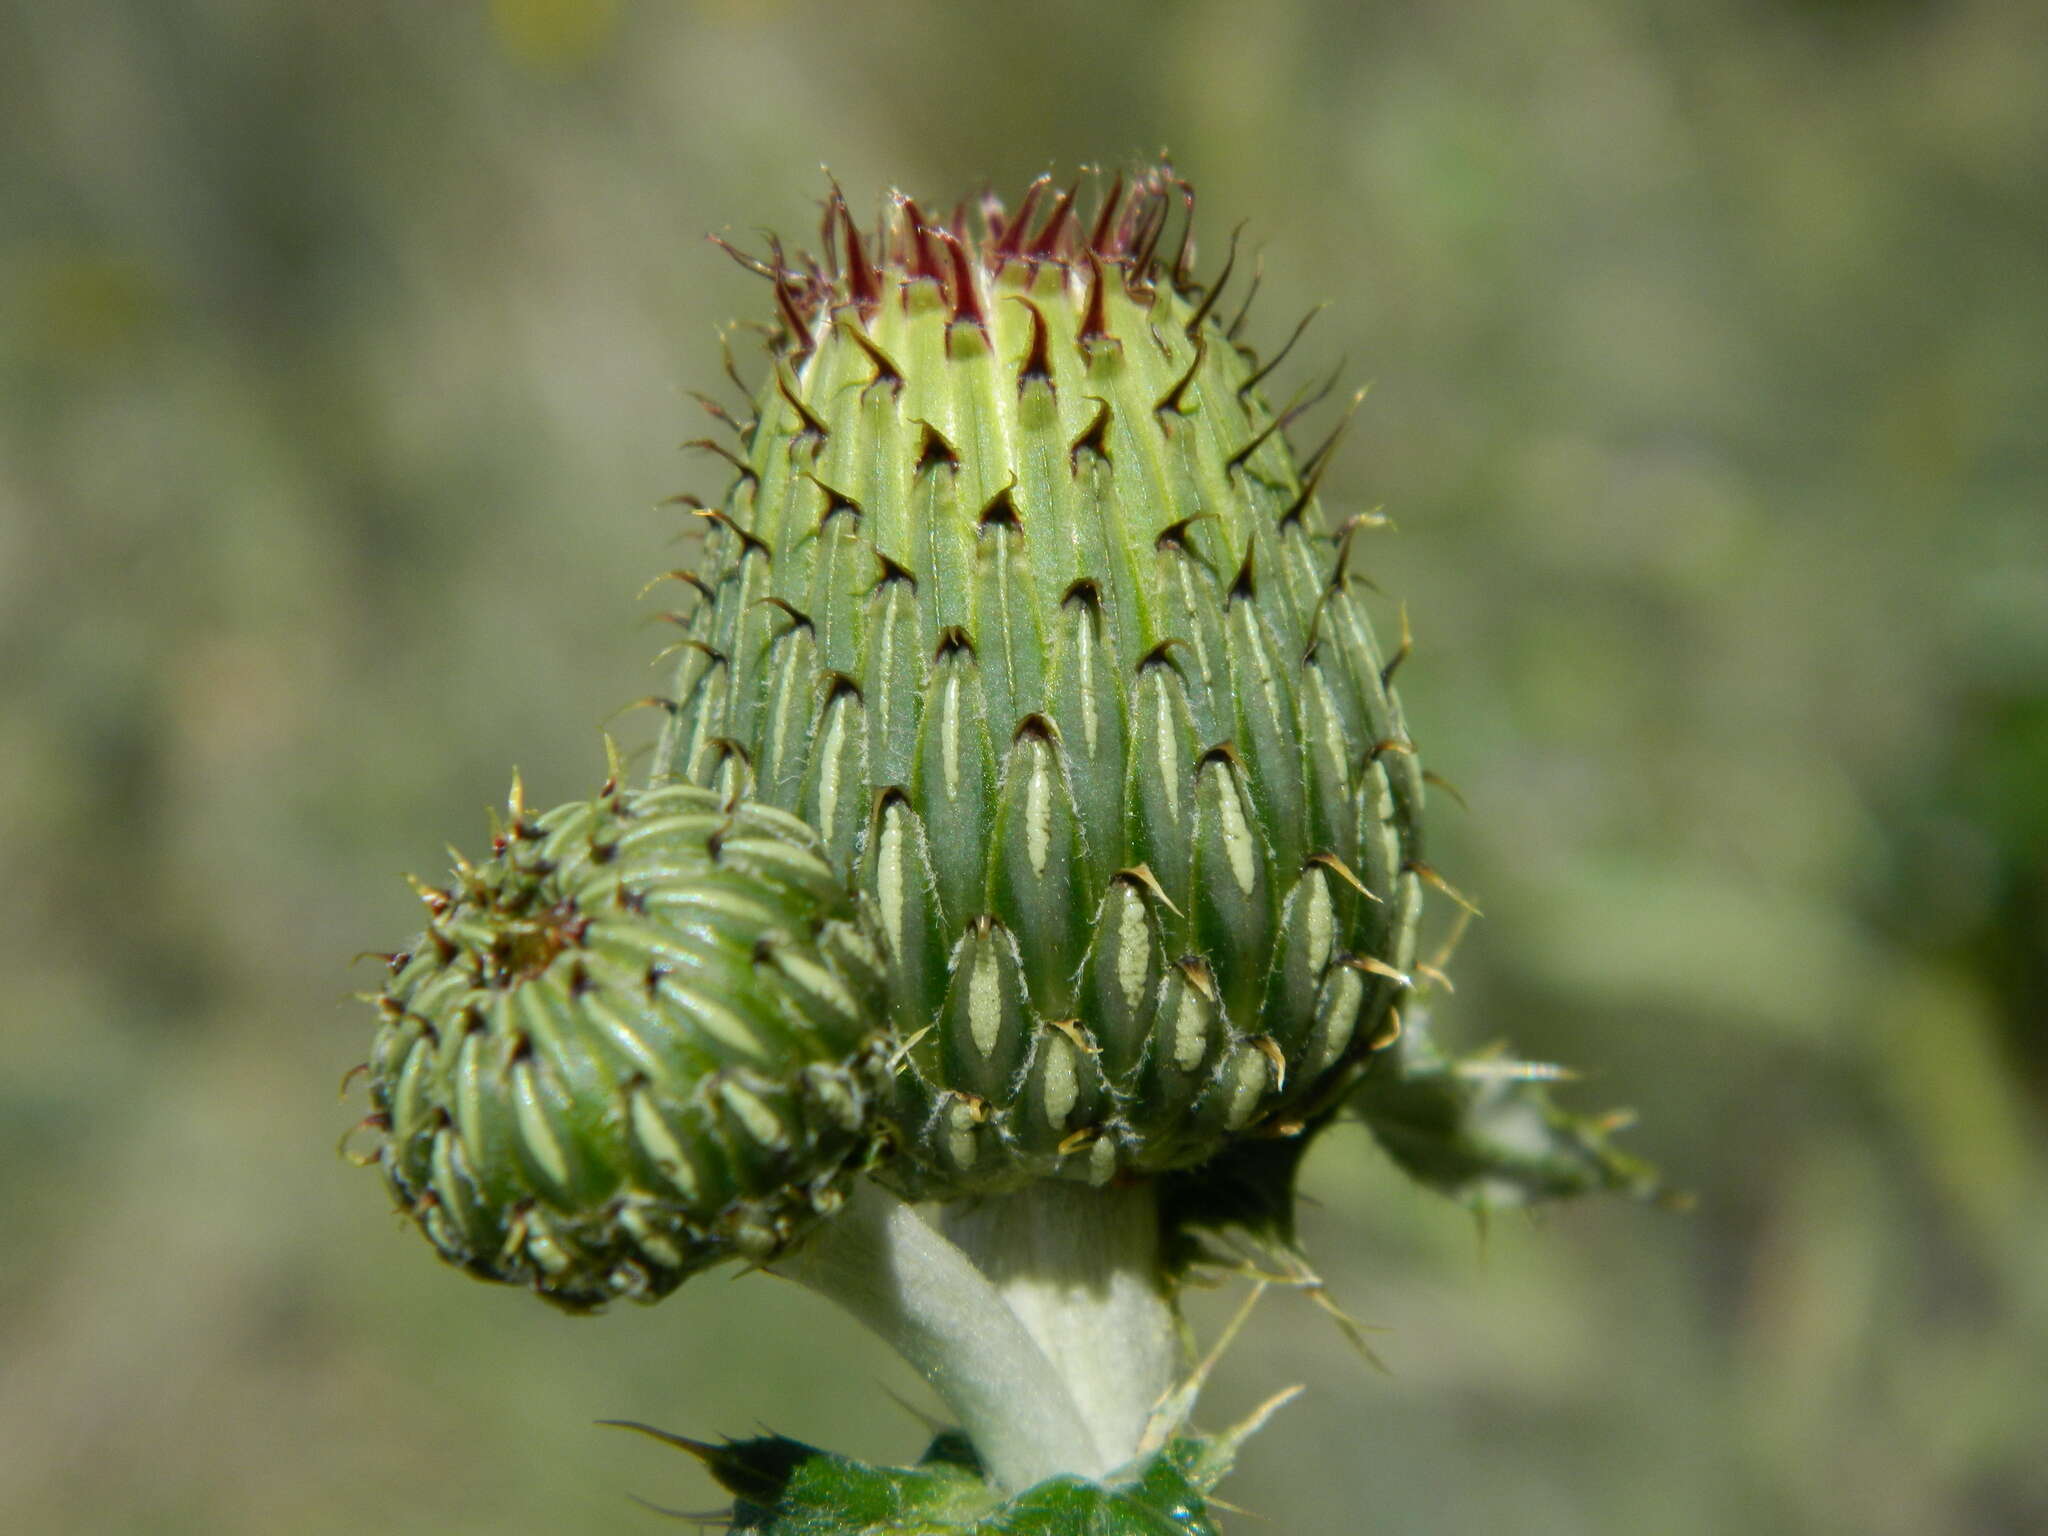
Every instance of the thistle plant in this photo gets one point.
(1030, 866)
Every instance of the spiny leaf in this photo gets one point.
(782, 1487)
(1484, 1130)
(1481, 1129)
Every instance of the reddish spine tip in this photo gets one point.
(922, 259)
(788, 301)
(1001, 512)
(1094, 330)
(1038, 361)
(1215, 289)
(1094, 438)
(1183, 258)
(1105, 217)
(1174, 401)
(810, 425)
(1047, 245)
(1009, 243)
(966, 299)
(932, 448)
(1144, 240)
(886, 371)
(863, 281)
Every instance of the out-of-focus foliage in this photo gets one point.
(340, 349)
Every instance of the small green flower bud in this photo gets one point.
(646, 1035)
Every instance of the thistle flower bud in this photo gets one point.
(1022, 598)
(644, 1036)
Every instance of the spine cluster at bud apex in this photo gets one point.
(1022, 600)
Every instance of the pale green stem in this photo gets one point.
(1080, 1268)
(886, 1265)
(1044, 1327)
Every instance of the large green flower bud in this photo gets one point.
(645, 1036)
(1023, 600)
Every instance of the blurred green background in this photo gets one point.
(341, 350)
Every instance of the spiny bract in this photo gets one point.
(1023, 600)
(645, 1036)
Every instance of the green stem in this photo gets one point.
(886, 1265)
(1080, 1268)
